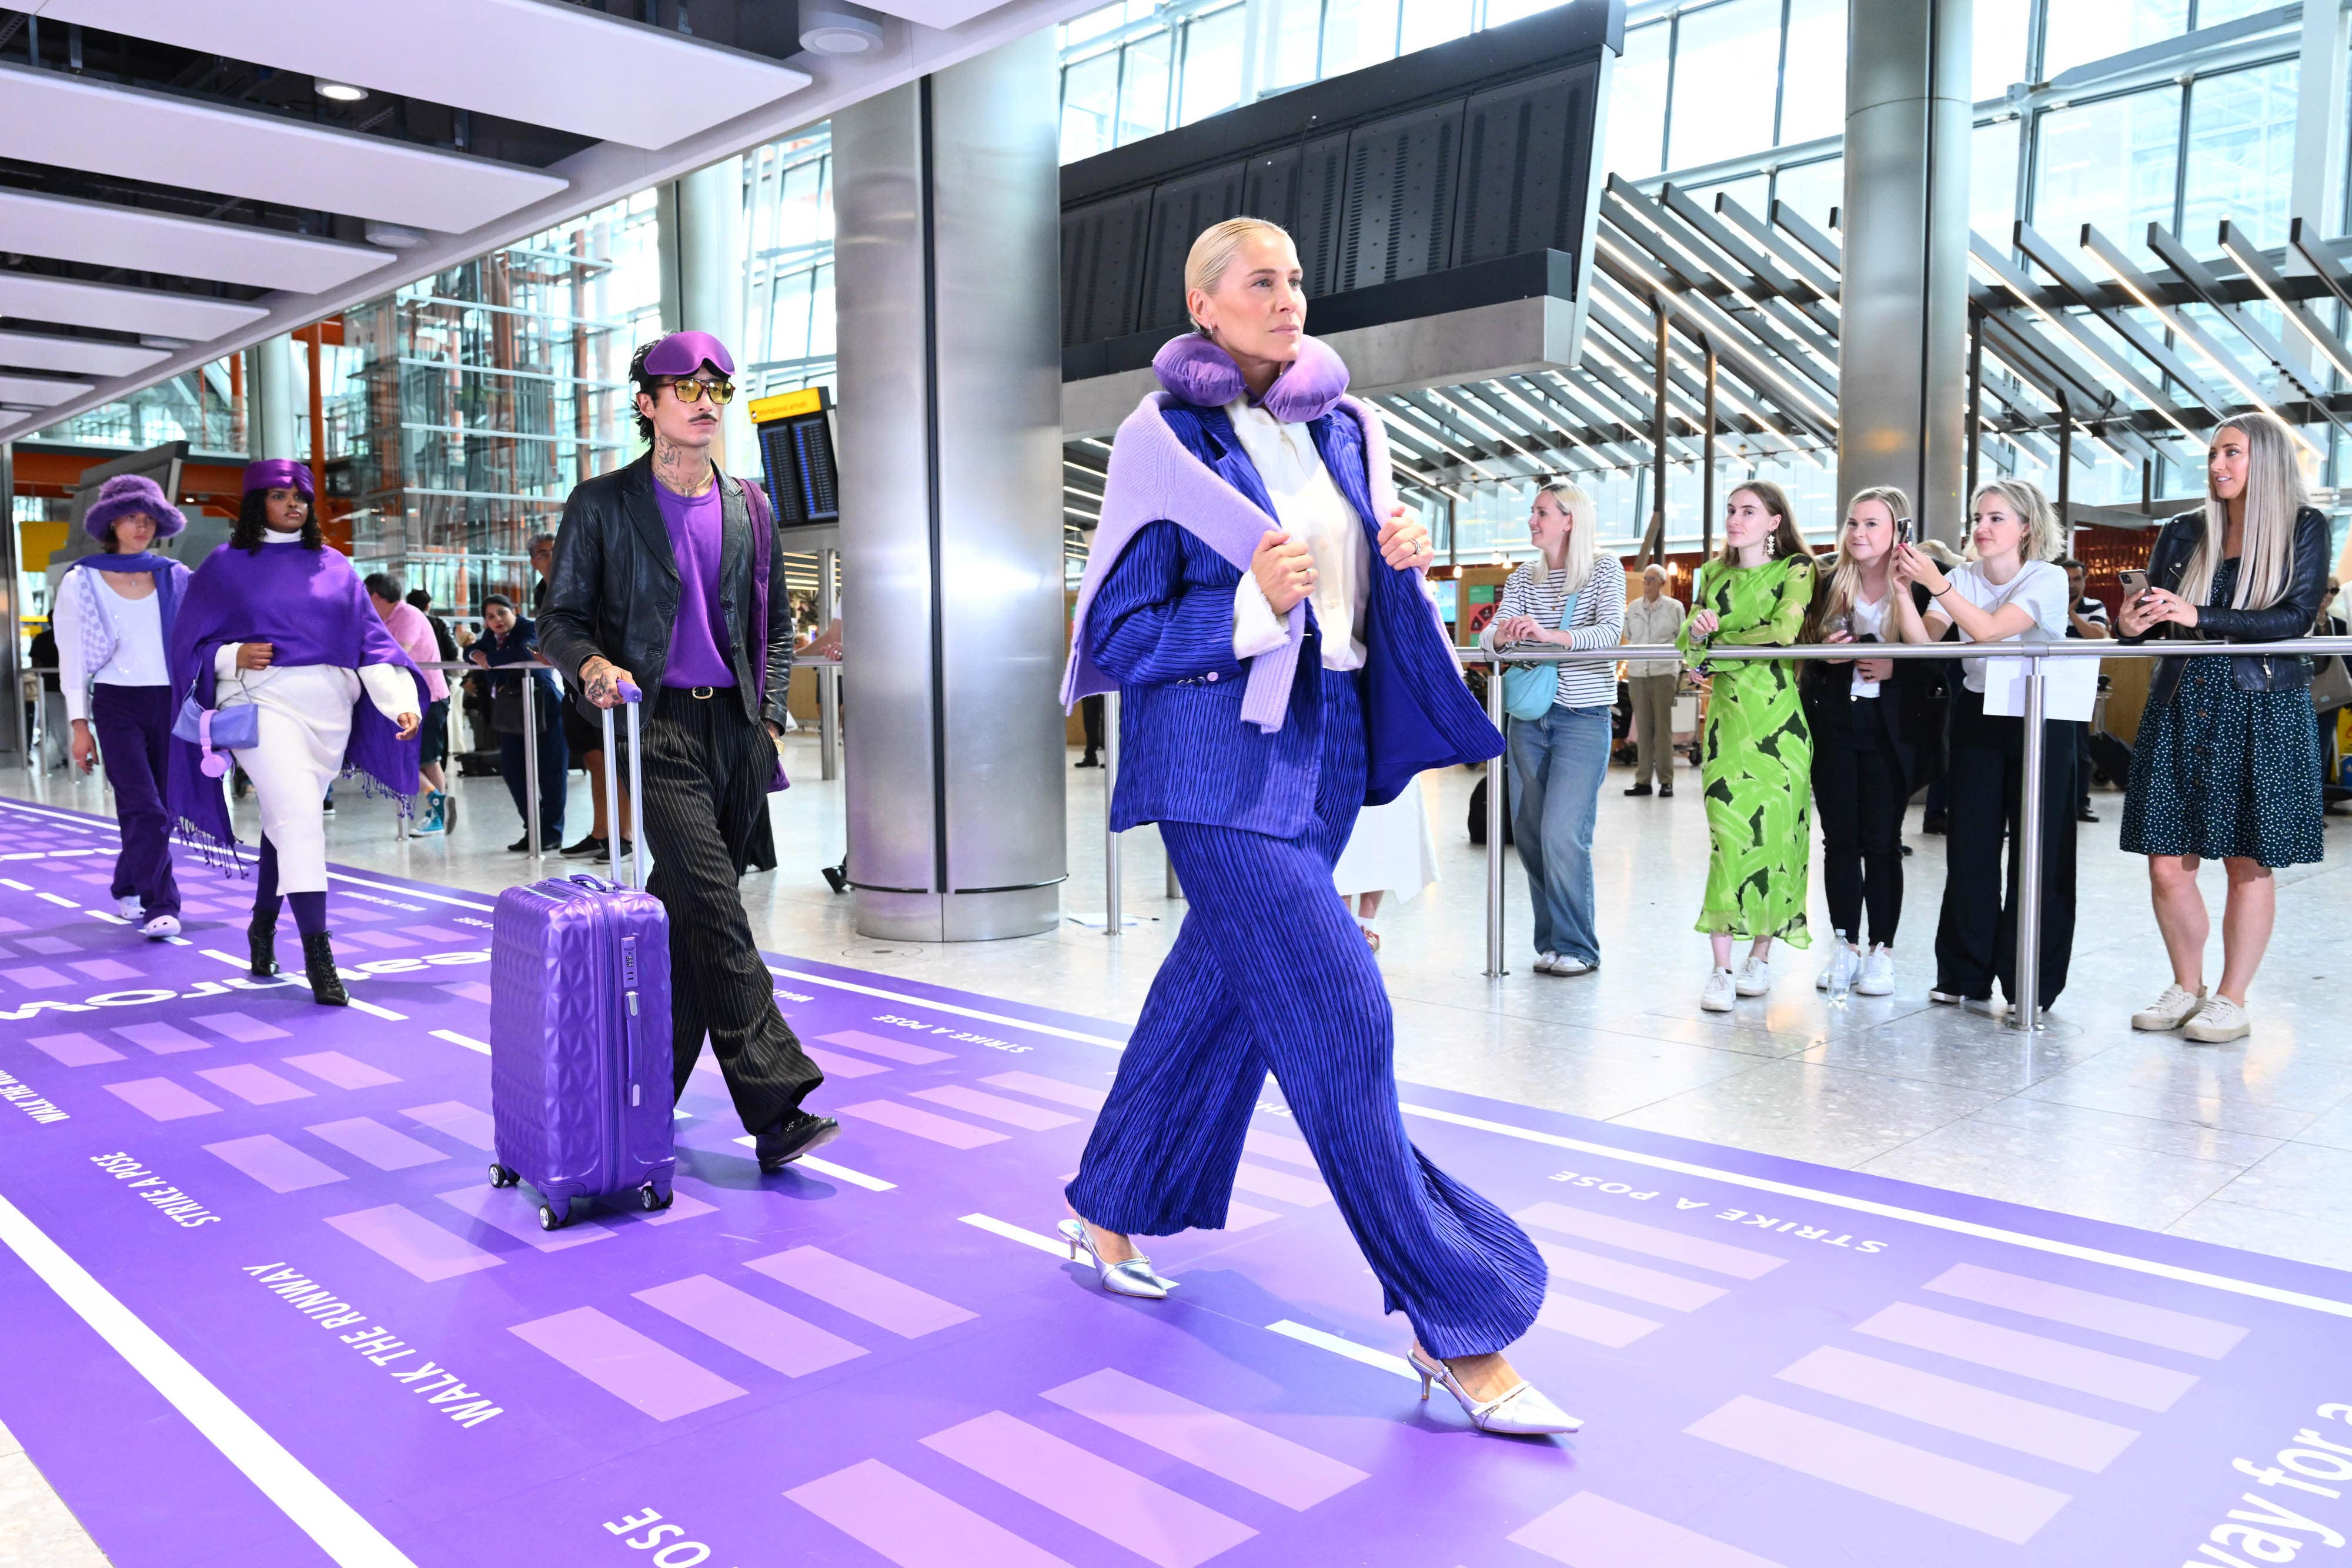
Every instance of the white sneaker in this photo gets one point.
(1755, 976)
(2174, 1006)
(1877, 972)
(1717, 995)
(2219, 1021)
(1567, 966)
(1842, 956)
(162, 925)
(1544, 961)
(127, 906)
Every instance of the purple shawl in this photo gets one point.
(1153, 478)
(310, 606)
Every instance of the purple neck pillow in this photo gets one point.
(1197, 371)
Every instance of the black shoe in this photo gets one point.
(1665, 791)
(795, 1133)
(837, 878)
(262, 942)
(318, 963)
(1088, 760)
(591, 845)
(552, 845)
(1641, 790)
(1906, 849)
(2085, 814)
(521, 845)
(1933, 822)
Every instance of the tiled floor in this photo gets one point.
(2249, 1144)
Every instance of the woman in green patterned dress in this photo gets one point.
(1757, 757)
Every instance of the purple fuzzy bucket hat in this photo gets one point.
(128, 493)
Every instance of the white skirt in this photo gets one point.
(1391, 851)
(305, 722)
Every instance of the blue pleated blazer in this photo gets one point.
(1161, 624)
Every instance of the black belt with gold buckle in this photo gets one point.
(701, 694)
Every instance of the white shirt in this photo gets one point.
(138, 659)
(1312, 510)
(2039, 587)
(1654, 625)
(1865, 618)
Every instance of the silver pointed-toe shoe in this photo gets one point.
(1518, 1412)
(1131, 1277)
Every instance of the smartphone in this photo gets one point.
(1902, 531)
(2134, 583)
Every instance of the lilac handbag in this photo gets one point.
(217, 731)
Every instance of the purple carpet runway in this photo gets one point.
(263, 1307)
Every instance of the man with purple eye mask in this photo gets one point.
(661, 579)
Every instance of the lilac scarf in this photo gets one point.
(1153, 478)
(309, 605)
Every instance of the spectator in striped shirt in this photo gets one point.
(1566, 597)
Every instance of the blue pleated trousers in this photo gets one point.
(1270, 972)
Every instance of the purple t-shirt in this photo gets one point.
(701, 630)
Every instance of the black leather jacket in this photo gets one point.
(2288, 619)
(613, 589)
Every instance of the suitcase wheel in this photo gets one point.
(501, 1177)
(653, 1197)
(551, 1218)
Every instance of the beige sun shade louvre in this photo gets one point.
(538, 61)
(31, 391)
(27, 298)
(62, 229)
(48, 117)
(73, 356)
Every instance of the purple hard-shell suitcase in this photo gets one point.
(580, 1025)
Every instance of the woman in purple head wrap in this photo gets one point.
(115, 611)
(276, 621)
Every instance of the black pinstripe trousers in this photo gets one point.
(1271, 972)
(705, 795)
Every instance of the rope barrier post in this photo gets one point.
(828, 721)
(530, 770)
(1494, 968)
(1110, 837)
(2026, 1010)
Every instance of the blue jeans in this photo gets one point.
(1558, 762)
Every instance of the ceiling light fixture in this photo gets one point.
(340, 92)
(394, 237)
(835, 28)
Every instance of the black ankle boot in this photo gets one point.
(319, 961)
(261, 941)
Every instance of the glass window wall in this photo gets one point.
(1724, 86)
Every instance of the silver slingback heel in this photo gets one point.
(1517, 1412)
(1131, 1277)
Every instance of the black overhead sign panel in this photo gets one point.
(1456, 176)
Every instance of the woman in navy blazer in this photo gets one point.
(1258, 605)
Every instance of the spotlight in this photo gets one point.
(394, 237)
(836, 28)
(341, 92)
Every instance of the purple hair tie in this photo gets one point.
(1196, 371)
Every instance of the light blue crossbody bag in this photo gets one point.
(1529, 690)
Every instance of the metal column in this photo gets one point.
(2026, 1010)
(828, 681)
(1494, 773)
(2065, 462)
(1903, 288)
(1976, 412)
(1707, 481)
(1111, 921)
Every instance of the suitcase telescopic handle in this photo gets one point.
(633, 699)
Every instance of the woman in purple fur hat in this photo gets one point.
(276, 621)
(113, 619)
(1255, 596)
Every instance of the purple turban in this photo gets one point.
(277, 474)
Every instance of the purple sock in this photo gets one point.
(265, 902)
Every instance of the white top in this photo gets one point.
(1598, 622)
(2039, 587)
(1654, 625)
(1312, 510)
(138, 659)
(1866, 618)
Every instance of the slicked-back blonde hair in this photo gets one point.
(2043, 537)
(2274, 493)
(1213, 251)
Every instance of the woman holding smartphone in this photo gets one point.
(2228, 762)
(2007, 590)
(1877, 731)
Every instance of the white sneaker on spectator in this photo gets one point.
(1755, 976)
(1717, 995)
(2173, 1006)
(1877, 972)
(1566, 965)
(2219, 1021)
(1844, 955)
(127, 906)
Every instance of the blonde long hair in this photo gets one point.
(2023, 497)
(1843, 579)
(1584, 522)
(2274, 495)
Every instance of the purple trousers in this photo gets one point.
(134, 729)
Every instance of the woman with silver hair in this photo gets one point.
(2228, 762)
(115, 612)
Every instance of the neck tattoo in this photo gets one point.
(683, 469)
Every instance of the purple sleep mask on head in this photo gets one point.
(683, 354)
(1198, 371)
